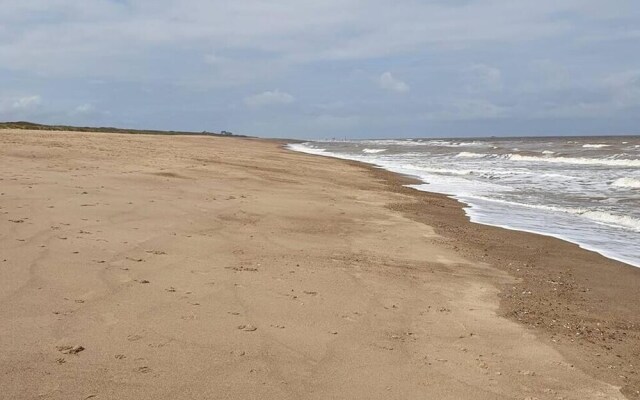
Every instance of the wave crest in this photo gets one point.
(373, 151)
(578, 160)
(466, 154)
(627, 183)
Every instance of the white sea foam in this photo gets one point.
(443, 171)
(622, 221)
(373, 151)
(417, 143)
(456, 144)
(304, 148)
(627, 183)
(613, 220)
(466, 154)
(577, 160)
(590, 201)
(595, 146)
(394, 142)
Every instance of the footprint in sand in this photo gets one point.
(70, 349)
(156, 252)
(133, 338)
(247, 328)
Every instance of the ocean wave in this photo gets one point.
(627, 183)
(548, 152)
(394, 142)
(306, 148)
(419, 142)
(597, 211)
(373, 151)
(466, 154)
(602, 217)
(613, 220)
(441, 171)
(456, 144)
(595, 146)
(577, 160)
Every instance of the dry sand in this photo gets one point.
(164, 267)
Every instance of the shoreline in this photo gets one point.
(585, 318)
(470, 208)
(156, 267)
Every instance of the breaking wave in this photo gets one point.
(373, 151)
(466, 154)
(627, 183)
(577, 160)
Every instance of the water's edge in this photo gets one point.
(469, 209)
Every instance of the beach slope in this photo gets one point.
(186, 267)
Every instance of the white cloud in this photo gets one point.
(388, 82)
(468, 109)
(624, 88)
(329, 48)
(26, 103)
(111, 38)
(484, 77)
(84, 109)
(214, 59)
(615, 94)
(19, 106)
(268, 98)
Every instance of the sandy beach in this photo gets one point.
(194, 267)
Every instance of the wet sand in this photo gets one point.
(165, 267)
(582, 303)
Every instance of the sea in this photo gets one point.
(585, 190)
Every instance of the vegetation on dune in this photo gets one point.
(40, 127)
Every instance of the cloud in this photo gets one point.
(484, 77)
(616, 94)
(388, 82)
(467, 110)
(197, 64)
(19, 106)
(624, 88)
(269, 98)
(114, 39)
(26, 103)
(84, 109)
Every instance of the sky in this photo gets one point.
(323, 69)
